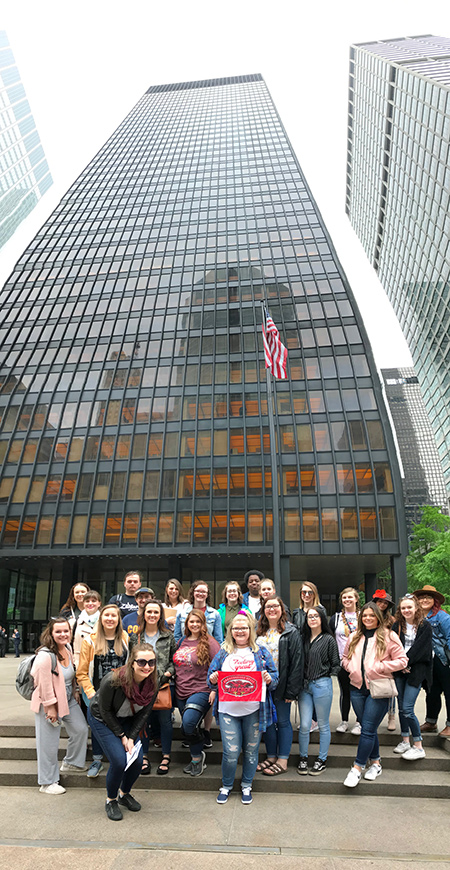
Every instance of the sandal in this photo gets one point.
(164, 765)
(274, 770)
(263, 765)
(146, 767)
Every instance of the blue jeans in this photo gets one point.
(370, 712)
(239, 732)
(163, 719)
(278, 737)
(407, 696)
(318, 694)
(117, 777)
(192, 711)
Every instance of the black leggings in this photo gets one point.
(441, 684)
(344, 700)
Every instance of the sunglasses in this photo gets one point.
(145, 663)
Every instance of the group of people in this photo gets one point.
(123, 667)
(15, 637)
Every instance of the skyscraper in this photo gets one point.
(135, 424)
(423, 481)
(24, 172)
(398, 193)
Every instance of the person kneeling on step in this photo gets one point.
(116, 715)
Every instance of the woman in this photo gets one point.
(71, 610)
(86, 622)
(386, 605)
(241, 722)
(174, 600)
(321, 661)
(55, 702)
(416, 635)
(342, 625)
(231, 604)
(430, 601)
(199, 597)
(282, 640)
(371, 653)
(192, 660)
(152, 630)
(309, 597)
(101, 652)
(116, 715)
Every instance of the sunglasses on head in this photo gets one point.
(145, 663)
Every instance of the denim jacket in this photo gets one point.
(264, 662)
(440, 623)
(213, 623)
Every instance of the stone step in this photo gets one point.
(413, 781)
(341, 754)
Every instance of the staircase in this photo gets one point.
(426, 778)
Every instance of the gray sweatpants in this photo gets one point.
(47, 742)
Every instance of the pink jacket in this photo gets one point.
(49, 688)
(394, 659)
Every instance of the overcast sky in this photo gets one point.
(85, 64)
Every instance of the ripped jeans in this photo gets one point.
(239, 732)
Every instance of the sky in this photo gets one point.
(85, 65)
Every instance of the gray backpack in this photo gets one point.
(24, 681)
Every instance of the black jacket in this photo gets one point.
(290, 665)
(299, 617)
(420, 655)
(106, 704)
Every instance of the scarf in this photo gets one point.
(139, 694)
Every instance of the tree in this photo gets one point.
(429, 558)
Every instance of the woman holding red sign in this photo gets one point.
(243, 707)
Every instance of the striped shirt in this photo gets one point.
(322, 657)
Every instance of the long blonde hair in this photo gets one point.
(100, 642)
(229, 645)
(314, 589)
(380, 631)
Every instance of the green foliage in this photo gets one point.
(429, 558)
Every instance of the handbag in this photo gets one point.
(384, 687)
(163, 700)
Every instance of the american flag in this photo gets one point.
(275, 352)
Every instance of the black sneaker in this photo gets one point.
(113, 811)
(302, 767)
(207, 742)
(128, 801)
(318, 767)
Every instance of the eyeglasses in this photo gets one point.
(145, 663)
(313, 616)
(240, 629)
(307, 592)
(272, 607)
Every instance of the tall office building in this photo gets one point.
(398, 195)
(24, 172)
(135, 425)
(423, 481)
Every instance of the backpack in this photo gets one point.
(24, 680)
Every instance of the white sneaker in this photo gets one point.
(65, 766)
(413, 753)
(314, 727)
(53, 788)
(356, 730)
(402, 747)
(373, 771)
(342, 728)
(353, 777)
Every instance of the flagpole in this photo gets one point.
(274, 467)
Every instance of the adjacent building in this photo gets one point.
(423, 481)
(24, 172)
(398, 193)
(135, 420)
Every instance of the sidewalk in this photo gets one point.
(316, 831)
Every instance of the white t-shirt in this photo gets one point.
(241, 660)
(254, 604)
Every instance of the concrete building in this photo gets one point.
(398, 196)
(24, 172)
(423, 481)
(135, 428)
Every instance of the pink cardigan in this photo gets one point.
(49, 688)
(394, 659)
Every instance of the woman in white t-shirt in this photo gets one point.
(342, 625)
(241, 722)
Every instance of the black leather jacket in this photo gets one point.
(106, 704)
(290, 665)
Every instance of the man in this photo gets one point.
(127, 602)
(251, 598)
(16, 642)
(3, 642)
(143, 596)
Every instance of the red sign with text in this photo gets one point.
(240, 685)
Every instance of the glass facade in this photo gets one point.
(24, 172)
(398, 196)
(134, 413)
(423, 481)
